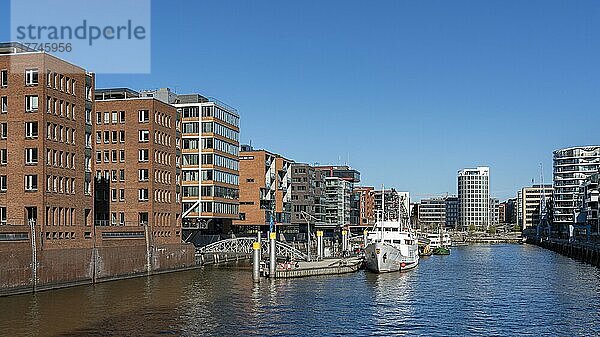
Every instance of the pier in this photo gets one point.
(583, 251)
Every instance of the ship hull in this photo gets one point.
(383, 258)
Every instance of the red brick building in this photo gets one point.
(136, 164)
(45, 168)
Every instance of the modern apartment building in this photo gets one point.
(502, 212)
(350, 175)
(452, 206)
(308, 195)
(210, 164)
(589, 203)
(531, 201)
(397, 204)
(572, 166)
(338, 192)
(366, 205)
(432, 213)
(45, 146)
(265, 190)
(474, 198)
(135, 163)
(494, 211)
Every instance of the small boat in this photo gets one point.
(441, 251)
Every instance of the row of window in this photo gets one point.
(62, 185)
(110, 156)
(111, 175)
(56, 158)
(31, 183)
(53, 106)
(54, 80)
(55, 132)
(217, 144)
(211, 206)
(220, 176)
(116, 136)
(218, 113)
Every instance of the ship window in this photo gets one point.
(388, 241)
(397, 241)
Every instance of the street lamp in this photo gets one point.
(308, 217)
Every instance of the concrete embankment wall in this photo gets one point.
(585, 252)
(23, 271)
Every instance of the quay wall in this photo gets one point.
(588, 253)
(26, 269)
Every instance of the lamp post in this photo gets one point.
(307, 217)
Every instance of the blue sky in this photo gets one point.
(408, 91)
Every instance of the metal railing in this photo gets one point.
(244, 245)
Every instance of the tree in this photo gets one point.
(492, 230)
(471, 228)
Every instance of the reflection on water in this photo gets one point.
(477, 290)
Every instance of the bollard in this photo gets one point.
(344, 240)
(272, 261)
(256, 262)
(319, 245)
(258, 239)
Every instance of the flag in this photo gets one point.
(271, 224)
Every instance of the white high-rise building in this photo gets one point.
(572, 166)
(474, 198)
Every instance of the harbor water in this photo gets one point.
(485, 290)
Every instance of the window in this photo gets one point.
(113, 156)
(143, 155)
(143, 116)
(3, 183)
(98, 117)
(106, 137)
(98, 137)
(106, 156)
(31, 156)
(31, 129)
(106, 117)
(114, 117)
(3, 215)
(98, 156)
(31, 103)
(143, 174)
(3, 130)
(4, 78)
(121, 155)
(121, 117)
(31, 77)
(3, 156)
(144, 136)
(114, 136)
(31, 183)
(113, 195)
(121, 136)
(143, 194)
(122, 194)
(122, 175)
(4, 104)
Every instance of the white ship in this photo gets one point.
(392, 245)
(391, 248)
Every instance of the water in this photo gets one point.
(478, 290)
